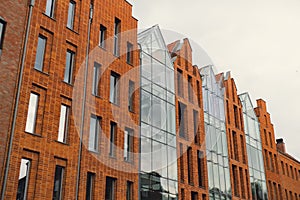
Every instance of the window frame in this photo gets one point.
(102, 36)
(117, 30)
(34, 112)
(114, 91)
(61, 182)
(2, 33)
(113, 139)
(96, 79)
(69, 67)
(129, 53)
(38, 56)
(66, 116)
(113, 182)
(90, 186)
(52, 8)
(128, 144)
(129, 190)
(28, 167)
(131, 97)
(96, 134)
(71, 16)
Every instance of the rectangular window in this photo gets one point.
(128, 144)
(131, 96)
(129, 53)
(182, 194)
(181, 163)
(242, 183)
(58, 183)
(196, 127)
(90, 182)
(102, 36)
(271, 141)
(40, 53)
(110, 188)
(282, 168)
(23, 179)
(235, 174)
(190, 165)
(198, 93)
(179, 83)
(271, 161)
(129, 191)
(190, 88)
(194, 195)
(113, 138)
(227, 111)
(243, 149)
(236, 116)
(68, 78)
(71, 15)
(200, 168)
(117, 37)
(50, 7)
(235, 146)
(96, 79)
(114, 88)
(182, 120)
(32, 113)
(2, 31)
(292, 172)
(63, 123)
(266, 137)
(287, 169)
(94, 136)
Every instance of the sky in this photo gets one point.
(258, 41)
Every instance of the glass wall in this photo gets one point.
(216, 141)
(254, 150)
(158, 163)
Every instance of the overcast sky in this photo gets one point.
(258, 41)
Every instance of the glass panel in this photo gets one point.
(71, 13)
(63, 124)
(146, 105)
(146, 159)
(172, 164)
(69, 67)
(40, 52)
(159, 159)
(32, 113)
(58, 183)
(158, 73)
(23, 179)
(50, 8)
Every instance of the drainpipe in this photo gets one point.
(13, 126)
(83, 100)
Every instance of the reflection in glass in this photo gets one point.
(23, 179)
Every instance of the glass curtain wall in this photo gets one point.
(158, 162)
(254, 150)
(216, 141)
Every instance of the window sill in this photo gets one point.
(45, 73)
(103, 48)
(129, 161)
(113, 157)
(130, 63)
(52, 18)
(115, 104)
(33, 134)
(94, 152)
(97, 96)
(63, 143)
(72, 30)
(69, 84)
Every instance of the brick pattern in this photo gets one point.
(190, 78)
(236, 142)
(282, 170)
(43, 148)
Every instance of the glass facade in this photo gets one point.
(216, 140)
(158, 167)
(254, 150)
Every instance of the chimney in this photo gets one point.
(280, 145)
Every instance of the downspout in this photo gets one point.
(83, 101)
(140, 119)
(13, 126)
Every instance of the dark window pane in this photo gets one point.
(129, 56)
(110, 188)
(131, 96)
(117, 37)
(129, 191)
(102, 36)
(2, 31)
(96, 79)
(90, 186)
(58, 183)
(114, 88)
(69, 66)
(23, 179)
(113, 135)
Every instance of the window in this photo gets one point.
(63, 123)
(96, 77)
(194, 195)
(235, 174)
(179, 83)
(102, 37)
(242, 183)
(50, 6)
(292, 172)
(58, 182)
(131, 96)
(113, 139)
(129, 191)
(182, 120)
(23, 178)
(117, 37)
(114, 88)
(94, 136)
(271, 161)
(69, 66)
(243, 149)
(128, 144)
(266, 137)
(200, 168)
(90, 186)
(190, 165)
(32, 113)
(40, 53)
(110, 188)
(198, 93)
(2, 31)
(196, 126)
(71, 14)
(182, 194)
(190, 88)
(282, 168)
(271, 141)
(181, 163)
(129, 53)
(227, 111)
(236, 118)
(235, 146)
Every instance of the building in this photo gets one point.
(94, 110)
